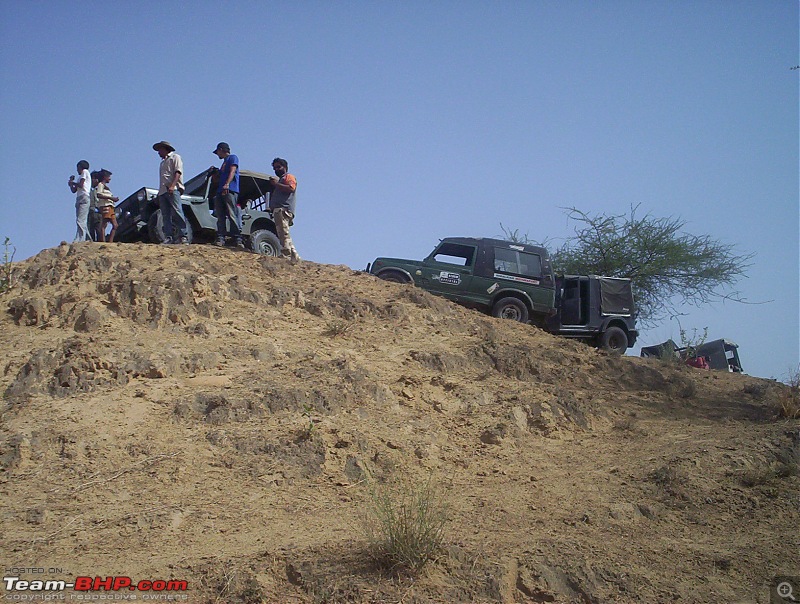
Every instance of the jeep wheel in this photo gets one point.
(614, 340)
(155, 228)
(394, 277)
(511, 308)
(265, 242)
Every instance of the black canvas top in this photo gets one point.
(616, 296)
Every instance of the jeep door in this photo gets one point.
(448, 270)
(520, 270)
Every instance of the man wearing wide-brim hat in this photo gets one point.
(170, 187)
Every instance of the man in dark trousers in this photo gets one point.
(225, 201)
(170, 187)
(282, 204)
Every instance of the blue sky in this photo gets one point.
(409, 121)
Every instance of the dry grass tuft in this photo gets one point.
(789, 399)
(338, 327)
(405, 522)
(761, 475)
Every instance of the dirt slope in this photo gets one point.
(205, 415)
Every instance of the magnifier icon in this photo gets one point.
(785, 590)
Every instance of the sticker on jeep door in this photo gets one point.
(448, 278)
(515, 278)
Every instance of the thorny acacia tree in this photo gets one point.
(669, 267)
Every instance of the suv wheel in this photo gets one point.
(510, 308)
(265, 242)
(394, 277)
(614, 340)
(155, 228)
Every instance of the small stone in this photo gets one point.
(36, 516)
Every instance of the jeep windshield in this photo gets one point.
(254, 187)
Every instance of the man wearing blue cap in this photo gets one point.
(226, 205)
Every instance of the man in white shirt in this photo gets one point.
(170, 187)
(81, 188)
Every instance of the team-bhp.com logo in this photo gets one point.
(93, 584)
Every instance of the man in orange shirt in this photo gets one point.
(282, 204)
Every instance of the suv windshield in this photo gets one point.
(454, 253)
(517, 263)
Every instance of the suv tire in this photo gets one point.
(394, 277)
(510, 308)
(614, 340)
(155, 228)
(265, 242)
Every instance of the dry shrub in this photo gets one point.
(761, 475)
(338, 327)
(670, 481)
(789, 399)
(229, 582)
(405, 522)
(757, 390)
(786, 464)
(7, 266)
(668, 354)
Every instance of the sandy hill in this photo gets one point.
(198, 414)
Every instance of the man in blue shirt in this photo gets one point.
(225, 201)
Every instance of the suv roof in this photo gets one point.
(526, 247)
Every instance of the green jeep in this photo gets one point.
(510, 280)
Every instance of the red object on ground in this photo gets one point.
(699, 362)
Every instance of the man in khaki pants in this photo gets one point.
(282, 204)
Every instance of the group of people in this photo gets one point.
(94, 203)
